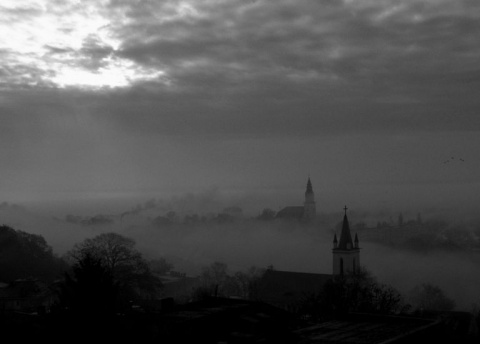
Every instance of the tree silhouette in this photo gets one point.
(129, 270)
(352, 293)
(91, 290)
(88, 303)
(27, 255)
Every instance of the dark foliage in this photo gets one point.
(129, 270)
(352, 293)
(91, 290)
(24, 255)
(215, 280)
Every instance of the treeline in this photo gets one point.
(25, 255)
(427, 235)
(362, 293)
(358, 293)
(107, 262)
(216, 280)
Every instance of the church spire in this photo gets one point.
(346, 253)
(309, 187)
(309, 210)
(346, 242)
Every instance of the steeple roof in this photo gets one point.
(309, 187)
(345, 236)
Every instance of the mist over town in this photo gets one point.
(240, 171)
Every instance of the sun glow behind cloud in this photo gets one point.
(119, 73)
(65, 43)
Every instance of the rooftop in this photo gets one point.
(366, 328)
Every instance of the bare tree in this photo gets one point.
(112, 249)
(119, 256)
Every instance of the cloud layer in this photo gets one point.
(260, 61)
(100, 94)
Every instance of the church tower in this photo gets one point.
(309, 210)
(346, 253)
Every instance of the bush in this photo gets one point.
(429, 297)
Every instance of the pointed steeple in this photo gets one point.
(346, 254)
(309, 210)
(346, 242)
(309, 187)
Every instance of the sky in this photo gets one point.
(376, 101)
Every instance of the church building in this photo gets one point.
(306, 212)
(346, 253)
(286, 289)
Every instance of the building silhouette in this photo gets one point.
(306, 212)
(346, 253)
(285, 289)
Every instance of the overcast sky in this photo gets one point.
(370, 98)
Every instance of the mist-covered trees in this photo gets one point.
(96, 220)
(24, 255)
(160, 266)
(118, 256)
(352, 293)
(267, 215)
(215, 280)
(429, 297)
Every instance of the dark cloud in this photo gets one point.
(301, 51)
